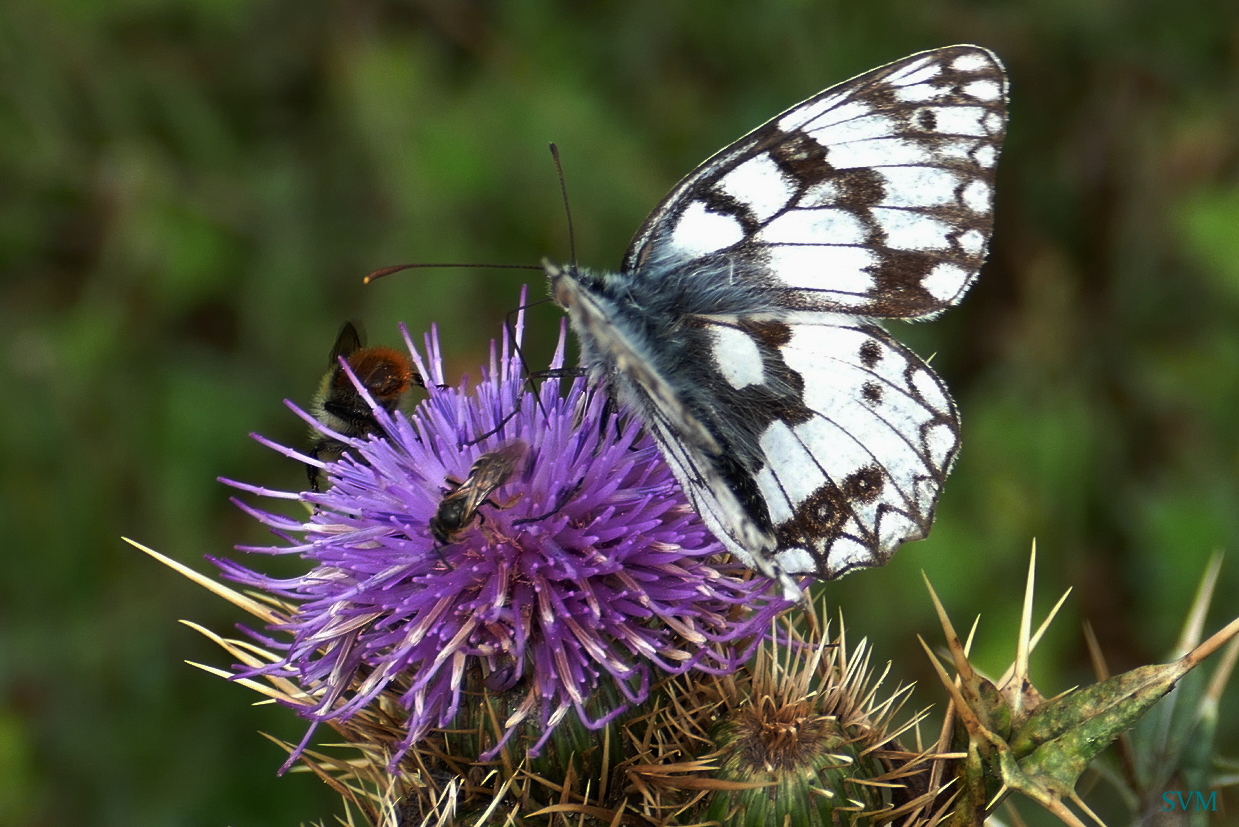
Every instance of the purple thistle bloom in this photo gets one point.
(584, 565)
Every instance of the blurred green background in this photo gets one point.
(191, 191)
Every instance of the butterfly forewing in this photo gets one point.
(873, 197)
(743, 329)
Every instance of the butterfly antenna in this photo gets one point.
(563, 191)
(396, 268)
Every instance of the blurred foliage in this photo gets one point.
(192, 190)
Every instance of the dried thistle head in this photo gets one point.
(801, 732)
(811, 741)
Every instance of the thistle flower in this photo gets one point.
(584, 575)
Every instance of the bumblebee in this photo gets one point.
(385, 373)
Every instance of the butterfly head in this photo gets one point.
(561, 282)
(570, 285)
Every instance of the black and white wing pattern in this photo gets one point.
(742, 327)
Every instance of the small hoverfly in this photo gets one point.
(385, 373)
(460, 504)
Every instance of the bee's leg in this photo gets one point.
(493, 504)
(511, 502)
(438, 550)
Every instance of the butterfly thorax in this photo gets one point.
(648, 342)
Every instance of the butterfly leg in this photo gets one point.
(498, 427)
(565, 496)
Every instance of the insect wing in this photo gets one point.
(843, 437)
(874, 197)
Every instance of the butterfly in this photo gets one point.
(742, 327)
(460, 504)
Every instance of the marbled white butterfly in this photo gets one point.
(742, 326)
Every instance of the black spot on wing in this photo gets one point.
(898, 283)
(818, 517)
(769, 335)
(722, 203)
(872, 393)
(859, 189)
(800, 157)
(870, 353)
(864, 485)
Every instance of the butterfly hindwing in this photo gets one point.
(852, 470)
(838, 438)
(873, 197)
